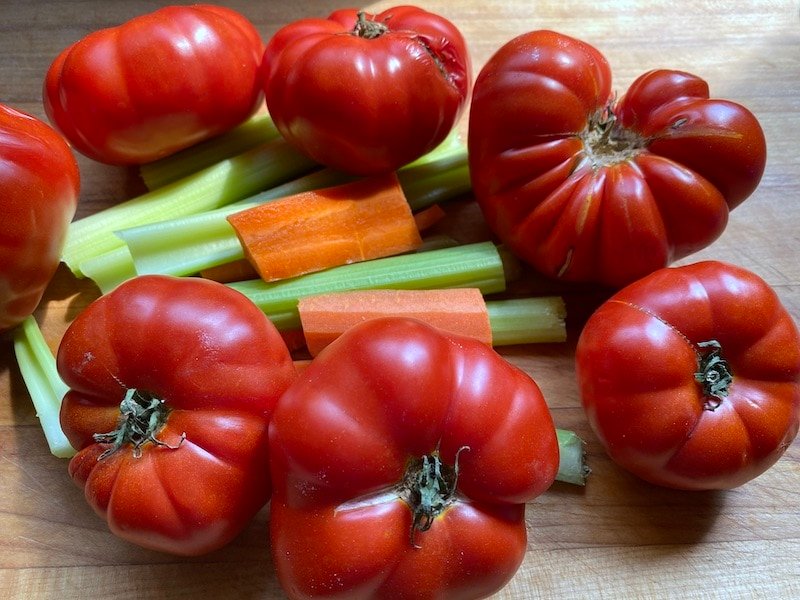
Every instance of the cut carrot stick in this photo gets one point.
(428, 217)
(236, 270)
(315, 230)
(325, 317)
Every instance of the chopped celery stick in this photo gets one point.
(473, 265)
(38, 368)
(527, 320)
(225, 182)
(186, 245)
(572, 467)
(258, 129)
(110, 269)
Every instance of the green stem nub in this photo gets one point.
(429, 487)
(368, 29)
(713, 373)
(142, 416)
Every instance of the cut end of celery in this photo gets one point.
(38, 368)
(527, 320)
(572, 467)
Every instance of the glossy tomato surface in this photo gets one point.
(156, 84)
(367, 94)
(211, 368)
(347, 437)
(39, 186)
(691, 376)
(589, 189)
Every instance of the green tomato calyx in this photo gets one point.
(142, 415)
(429, 487)
(713, 373)
(368, 28)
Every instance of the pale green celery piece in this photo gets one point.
(38, 368)
(110, 269)
(474, 265)
(232, 179)
(572, 467)
(258, 129)
(527, 320)
(187, 245)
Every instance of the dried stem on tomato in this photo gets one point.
(368, 29)
(713, 373)
(428, 488)
(142, 415)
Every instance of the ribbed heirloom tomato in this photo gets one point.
(367, 93)
(588, 189)
(39, 185)
(691, 376)
(156, 84)
(172, 385)
(402, 459)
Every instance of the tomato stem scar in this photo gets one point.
(429, 487)
(142, 415)
(713, 373)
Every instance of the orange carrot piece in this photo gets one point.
(428, 217)
(301, 364)
(236, 270)
(326, 316)
(315, 230)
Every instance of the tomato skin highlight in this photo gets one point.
(219, 367)
(156, 84)
(586, 188)
(367, 105)
(637, 360)
(39, 188)
(385, 393)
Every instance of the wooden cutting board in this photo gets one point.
(617, 537)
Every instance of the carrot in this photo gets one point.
(236, 270)
(326, 316)
(315, 230)
(428, 217)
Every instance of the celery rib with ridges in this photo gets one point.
(474, 265)
(257, 130)
(38, 368)
(187, 245)
(227, 181)
(572, 467)
(527, 320)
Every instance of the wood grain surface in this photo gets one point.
(617, 537)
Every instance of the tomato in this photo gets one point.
(367, 93)
(172, 385)
(588, 189)
(402, 459)
(691, 376)
(156, 84)
(39, 186)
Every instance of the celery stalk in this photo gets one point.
(258, 129)
(38, 368)
(189, 244)
(572, 467)
(186, 245)
(473, 265)
(225, 182)
(527, 320)
(110, 269)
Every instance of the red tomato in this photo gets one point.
(691, 376)
(588, 189)
(173, 382)
(367, 93)
(156, 84)
(39, 185)
(402, 458)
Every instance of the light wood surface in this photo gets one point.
(617, 537)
